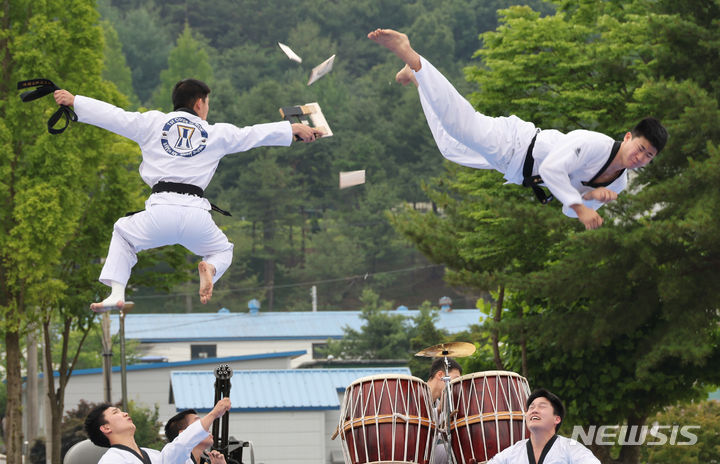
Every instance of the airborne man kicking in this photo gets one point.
(582, 169)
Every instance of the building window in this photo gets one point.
(316, 350)
(203, 351)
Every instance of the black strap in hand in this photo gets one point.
(45, 87)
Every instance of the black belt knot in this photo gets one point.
(45, 87)
(534, 181)
(177, 187)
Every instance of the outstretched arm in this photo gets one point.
(221, 407)
(102, 114)
(180, 448)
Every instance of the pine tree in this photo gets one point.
(187, 60)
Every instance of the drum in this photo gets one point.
(488, 414)
(387, 418)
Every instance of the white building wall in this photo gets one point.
(282, 437)
(333, 448)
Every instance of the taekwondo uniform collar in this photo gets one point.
(545, 451)
(613, 154)
(145, 459)
(187, 110)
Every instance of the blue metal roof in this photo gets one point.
(321, 325)
(194, 362)
(271, 390)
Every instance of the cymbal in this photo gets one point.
(452, 349)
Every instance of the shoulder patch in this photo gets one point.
(183, 137)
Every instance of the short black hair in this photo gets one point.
(558, 408)
(177, 424)
(94, 420)
(439, 365)
(187, 92)
(653, 131)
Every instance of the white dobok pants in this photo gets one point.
(161, 225)
(465, 136)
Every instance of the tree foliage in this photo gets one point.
(701, 420)
(619, 321)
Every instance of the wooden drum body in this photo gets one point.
(488, 414)
(387, 419)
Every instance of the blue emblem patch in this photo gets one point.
(182, 137)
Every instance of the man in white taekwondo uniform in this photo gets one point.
(582, 169)
(202, 453)
(180, 153)
(109, 427)
(544, 415)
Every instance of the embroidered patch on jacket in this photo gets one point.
(182, 137)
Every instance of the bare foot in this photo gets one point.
(406, 76)
(399, 44)
(206, 272)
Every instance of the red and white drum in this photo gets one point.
(387, 418)
(488, 414)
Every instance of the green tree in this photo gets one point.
(625, 309)
(146, 42)
(89, 348)
(115, 67)
(424, 335)
(382, 336)
(272, 200)
(52, 224)
(702, 418)
(188, 59)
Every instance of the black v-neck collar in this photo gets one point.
(144, 458)
(613, 154)
(545, 451)
(187, 110)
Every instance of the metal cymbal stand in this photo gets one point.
(447, 412)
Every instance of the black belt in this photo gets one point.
(534, 181)
(45, 87)
(189, 189)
